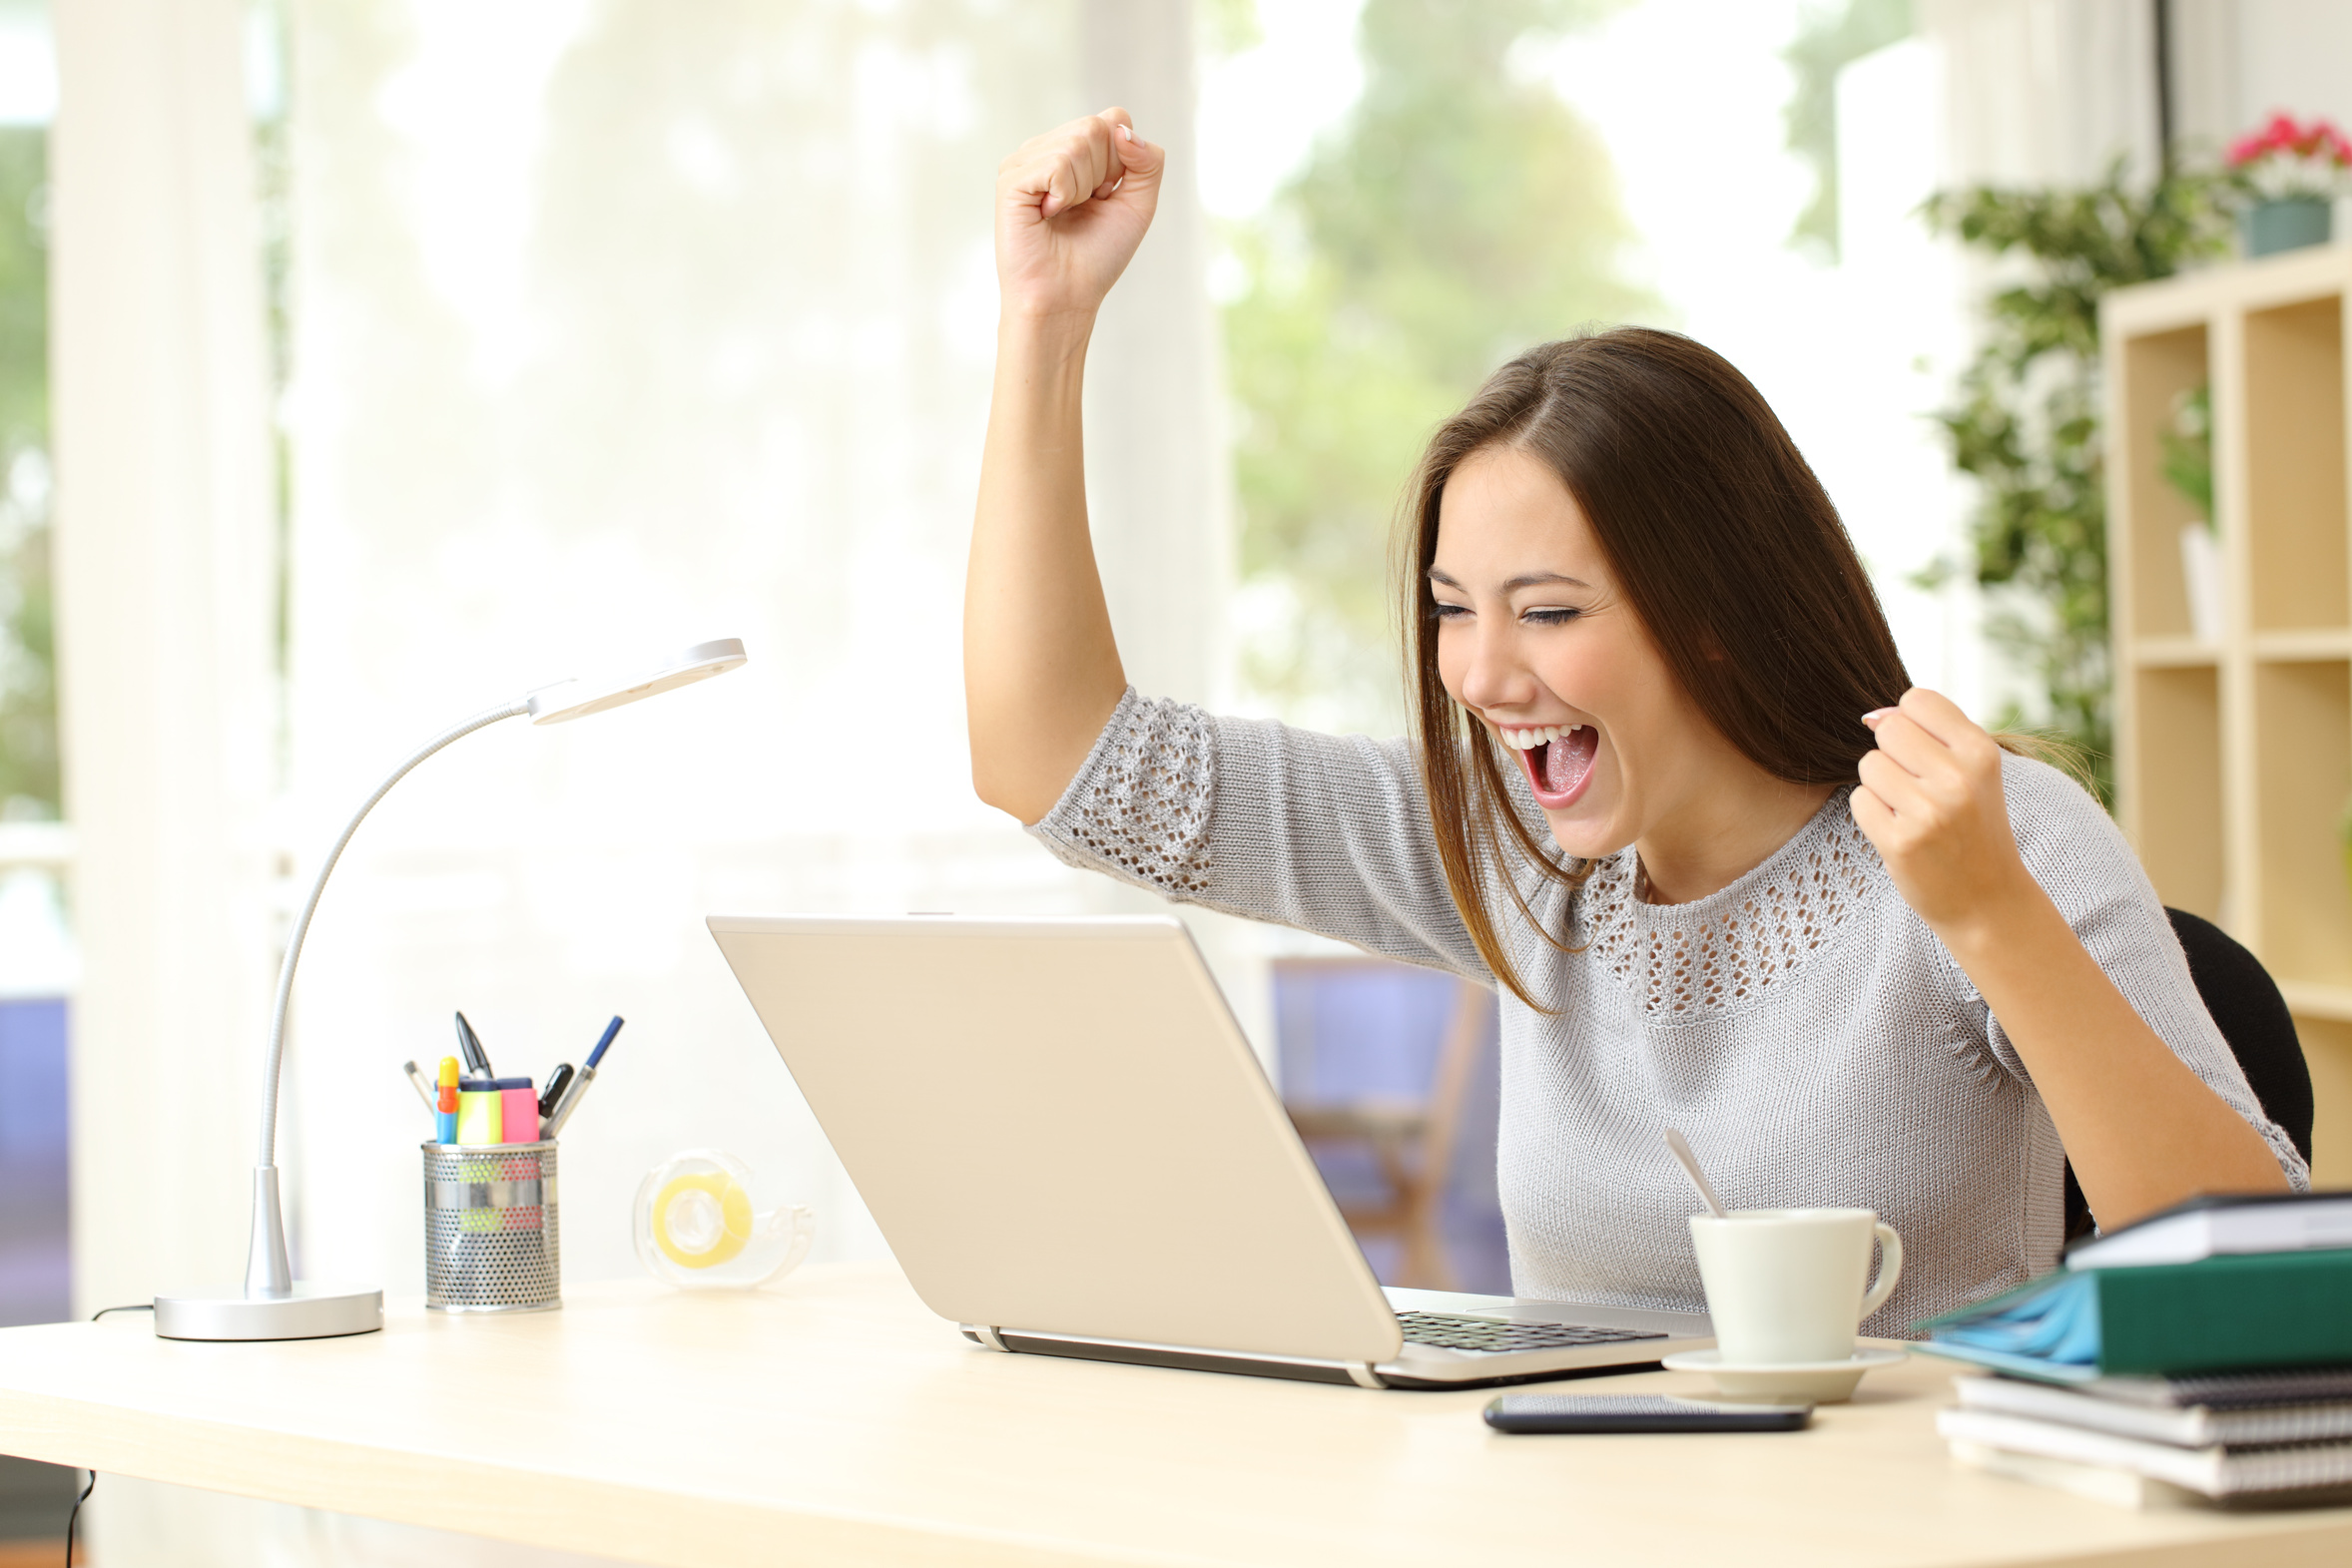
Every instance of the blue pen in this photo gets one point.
(552, 1124)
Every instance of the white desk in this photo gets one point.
(834, 1421)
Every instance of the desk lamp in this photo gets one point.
(274, 1304)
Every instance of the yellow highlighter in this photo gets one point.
(478, 1113)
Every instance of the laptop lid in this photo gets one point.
(1061, 1128)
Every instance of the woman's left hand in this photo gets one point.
(1930, 801)
(2141, 1129)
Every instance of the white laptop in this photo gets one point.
(1071, 1150)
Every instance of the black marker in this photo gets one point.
(553, 1095)
(471, 1044)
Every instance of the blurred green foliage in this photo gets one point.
(1829, 38)
(1460, 214)
(1227, 26)
(27, 676)
(2026, 422)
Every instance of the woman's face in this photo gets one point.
(1536, 641)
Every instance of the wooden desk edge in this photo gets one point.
(671, 1525)
(527, 1506)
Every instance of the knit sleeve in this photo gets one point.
(1328, 833)
(2084, 864)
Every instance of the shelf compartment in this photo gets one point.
(2327, 1052)
(2173, 652)
(2303, 734)
(2158, 368)
(2293, 443)
(2299, 646)
(2174, 789)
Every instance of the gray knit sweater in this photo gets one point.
(1802, 1026)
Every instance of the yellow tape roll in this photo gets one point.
(713, 1221)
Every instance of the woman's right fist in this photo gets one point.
(1071, 207)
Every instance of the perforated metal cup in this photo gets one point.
(490, 1238)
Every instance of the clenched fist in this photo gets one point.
(1930, 801)
(1071, 207)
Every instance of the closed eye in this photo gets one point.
(1450, 611)
(1551, 615)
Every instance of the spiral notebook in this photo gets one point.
(2190, 1425)
(2214, 1472)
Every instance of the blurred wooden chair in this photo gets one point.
(1412, 1139)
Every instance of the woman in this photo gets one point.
(1669, 790)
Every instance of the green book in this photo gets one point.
(2222, 1313)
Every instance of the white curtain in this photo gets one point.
(160, 414)
(158, 411)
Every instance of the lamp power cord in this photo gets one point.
(72, 1520)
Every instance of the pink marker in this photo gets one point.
(518, 1106)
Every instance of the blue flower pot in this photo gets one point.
(2271, 227)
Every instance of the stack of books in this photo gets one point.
(2203, 1354)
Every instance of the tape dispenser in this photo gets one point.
(699, 1227)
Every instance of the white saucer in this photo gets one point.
(1793, 1382)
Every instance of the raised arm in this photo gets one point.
(1041, 671)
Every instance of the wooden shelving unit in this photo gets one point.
(2235, 756)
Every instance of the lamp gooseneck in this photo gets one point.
(267, 1271)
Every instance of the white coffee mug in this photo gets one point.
(1784, 1285)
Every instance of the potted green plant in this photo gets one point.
(2288, 175)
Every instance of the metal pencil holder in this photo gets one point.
(490, 1239)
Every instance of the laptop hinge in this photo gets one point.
(1363, 1376)
(986, 1335)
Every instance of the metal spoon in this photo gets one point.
(1691, 1168)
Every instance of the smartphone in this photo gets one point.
(1555, 1412)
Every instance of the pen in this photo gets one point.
(477, 1060)
(424, 1091)
(579, 1084)
(445, 1103)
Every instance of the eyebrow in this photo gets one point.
(1524, 580)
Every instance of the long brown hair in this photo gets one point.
(1723, 543)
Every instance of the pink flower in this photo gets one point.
(2283, 140)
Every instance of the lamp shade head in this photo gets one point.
(578, 699)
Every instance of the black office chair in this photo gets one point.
(2253, 1018)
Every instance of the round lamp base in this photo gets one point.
(311, 1312)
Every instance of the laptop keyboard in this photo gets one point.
(1492, 1334)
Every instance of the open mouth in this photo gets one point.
(1557, 759)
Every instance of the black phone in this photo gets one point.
(1626, 1412)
